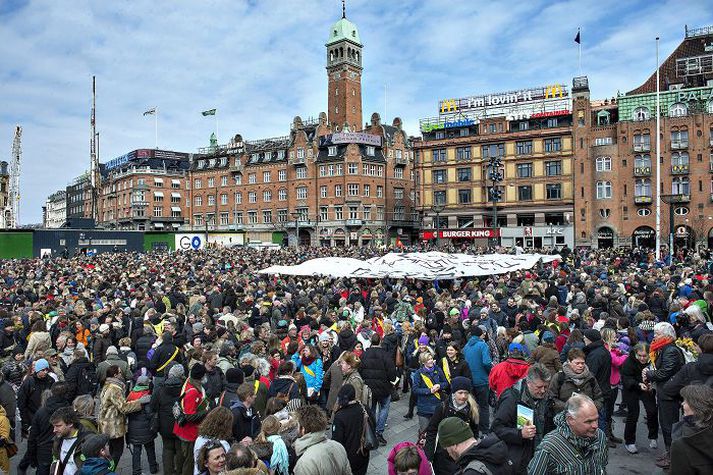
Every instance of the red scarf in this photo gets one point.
(307, 360)
(656, 345)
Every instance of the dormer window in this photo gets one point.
(370, 150)
(332, 151)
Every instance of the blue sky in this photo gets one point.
(261, 62)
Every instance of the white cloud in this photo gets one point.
(262, 63)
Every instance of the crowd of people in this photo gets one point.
(239, 372)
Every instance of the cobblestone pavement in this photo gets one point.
(400, 429)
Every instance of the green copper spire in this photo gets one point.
(343, 30)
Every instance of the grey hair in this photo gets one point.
(666, 329)
(538, 372)
(641, 346)
(262, 365)
(84, 405)
(576, 402)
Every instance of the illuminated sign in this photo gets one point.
(449, 124)
(552, 91)
(540, 115)
(462, 234)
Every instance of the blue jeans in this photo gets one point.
(603, 419)
(383, 413)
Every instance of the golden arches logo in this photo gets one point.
(449, 105)
(553, 90)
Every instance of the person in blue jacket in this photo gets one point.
(430, 387)
(477, 354)
(309, 364)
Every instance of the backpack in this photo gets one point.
(285, 396)
(86, 383)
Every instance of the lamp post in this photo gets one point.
(495, 162)
(670, 200)
(296, 215)
(438, 209)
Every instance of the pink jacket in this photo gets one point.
(423, 469)
(617, 359)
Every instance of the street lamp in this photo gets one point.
(296, 215)
(496, 194)
(438, 209)
(670, 200)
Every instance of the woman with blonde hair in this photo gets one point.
(84, 406)
(270, 433)
(349, 364)
(461, 404)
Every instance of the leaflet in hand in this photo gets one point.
(525, 416)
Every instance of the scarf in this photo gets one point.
(456, 406)
(656, 346)
(577, 379)
(280, 459)
(306, 361)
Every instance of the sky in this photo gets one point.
(262, 62)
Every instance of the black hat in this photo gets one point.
(475, 330)
(197, 371)
(93, 444)
(234, 376)
(592, 335)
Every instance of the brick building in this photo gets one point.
(529, 133)
(331, 181)
(615, 154)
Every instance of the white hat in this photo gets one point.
(103, 328)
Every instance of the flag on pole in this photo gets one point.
(208, 112)
(578, 38)
(151, 111)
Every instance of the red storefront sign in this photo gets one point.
(461, 234)
(538, 115)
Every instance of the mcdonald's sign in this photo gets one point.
(551, 91)
(449, 105)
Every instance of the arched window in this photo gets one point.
(679, 159)
(603, 190)
(642, 187)
(680, 186)
(603, 117)
(603, 164)
(642, 161)
(678, 109)
(641, 113)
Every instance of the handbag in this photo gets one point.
(369, 439)
(10, 447)
(399, 357)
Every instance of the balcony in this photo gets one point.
(237, 168)
(679, 144)
(400, 161)
(354, 222)
(297, 161)
(643, 200)
(139, 204)
(642, 171)
(642, 147)
(141, 186)
(679, 169)
(680, 198)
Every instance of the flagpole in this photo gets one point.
(155, 125)
(216, 127)
(658, 157)
(579, 54)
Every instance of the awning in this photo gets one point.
(158, 193)
(175, 182)
(175, 195)
(176, 208)
(158, 181)
(158, 225)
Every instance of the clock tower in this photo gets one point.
(344, 67)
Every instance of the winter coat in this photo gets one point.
(599, 363)
(492, 452)
(443, 464)
(426, 401)
(347, 430)
(697, 372)
(423, 469)
(354, 378)
(142, 346)
(99, 347)
(113, 409)
(112, 360)
(562, 387)
(229, 395)
(39, 341)
(78, 372)
(506, 373)
(333, 380)
(213, 384)
(320, 456)
(8, 398)
(669, 361)
(95, 466)
(547, 357)
(162, 401)
(569, 346)
(617, 359)
(163, 353)
(691, 449)
(194, 405)
(139, 422)
(378, 372)
(453, 369)
(284, 384)
(77, 452)
(559, 455)
(504, 423)
(313, 373)
(4, 434)
(477, 355)
(29, 397)
(246, 422)
(41, 438)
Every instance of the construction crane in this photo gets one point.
(11, 213)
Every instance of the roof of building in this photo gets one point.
(343, 30)
(697, 43)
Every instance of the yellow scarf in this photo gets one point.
(446, 369)
(429, 384)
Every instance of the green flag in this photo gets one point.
(208, 112)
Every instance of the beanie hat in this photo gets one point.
(103, 328)
(513, 347)
(548, 336)
(177, 371)
(647, 325)
(93, 444)
(325, 336)
(453, 431)
(461, 383)
(592, 335)
(41, 364)
(143, 380)
(423, 340)
(563, 318)
(234, 376)
(454, 311)
(197, 371)
(112, 350)
(197, 327)
(94, 321)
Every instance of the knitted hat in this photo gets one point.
(234, 376)
(548, 336)
(592, 335)
(423, 340)
(647, 325)
(453, 311)
(93, 444)
(197, 327)
(453, 431)
(177, 371)
(461, 383)
(41, 364)
(112, 350)
(197, 371)
(513, 347)
(325, 336)
(143, 380)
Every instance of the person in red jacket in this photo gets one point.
(508, 372)
(195, 406)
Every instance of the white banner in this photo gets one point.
(415, 265)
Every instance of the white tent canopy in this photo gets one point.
(415, 265)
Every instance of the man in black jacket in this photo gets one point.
(490, 455)
(81, 375)
(162, 400)
(598, 361)
(29, 396)
(246, 422)
(530, 392)
(378, 370)
(697, 372)
(166, 354)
